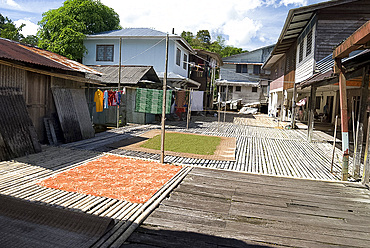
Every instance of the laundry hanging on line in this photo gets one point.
(196, 100)
(98, 99)
(151, 101)
(107, 98)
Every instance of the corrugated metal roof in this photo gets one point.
(134, 32)
(15, 51)
(129, 74)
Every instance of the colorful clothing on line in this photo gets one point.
(98, 99)
(105, 99)
(150, 101)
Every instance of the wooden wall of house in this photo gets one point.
(335, 24)
(36, 90)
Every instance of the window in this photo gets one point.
(104, 52)
(178, 56)
(241, 68)
(256, 69)
(309, 43)
(254, 89)
(238, 88)
(185, 61)
(300, 52)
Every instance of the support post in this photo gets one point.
(164, 103)
(311, 111)
(344, 118)
(189, 109)
(360, 123)
(293, 106)
(227, 90)
(119, 76)
(366, 172)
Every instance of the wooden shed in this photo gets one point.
(52, 90)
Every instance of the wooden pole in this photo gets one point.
(312, 107)
(353, 122)
(119, 76)
(164, 103)
(360, 123)
(344, 118)
(366, 172)
(218, 108)
(293, 106)
(189, 109)
(227, 89)
(334, 143)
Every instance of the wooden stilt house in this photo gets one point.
(52, 99)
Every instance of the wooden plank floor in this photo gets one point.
(213, 208)
(18, 179)
(259, 150)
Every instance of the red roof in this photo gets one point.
(15, 51)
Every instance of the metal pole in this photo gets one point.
(119, 76)
(344, 119)
(164, 103)
(334, 141)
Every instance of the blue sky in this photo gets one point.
(248, 24)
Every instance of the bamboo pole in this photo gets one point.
(164, 103)
(334, 142)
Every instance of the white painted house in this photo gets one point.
(242, 78)
(142, 46)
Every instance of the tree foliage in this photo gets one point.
(9, 31)
(202, 40)
(63, 30)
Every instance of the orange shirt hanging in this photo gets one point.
(98, 99)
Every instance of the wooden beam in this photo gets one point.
(360, 37)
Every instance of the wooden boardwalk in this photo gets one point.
(18, 179)
(259, 150)
(213, 208)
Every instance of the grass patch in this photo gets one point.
(185, 143)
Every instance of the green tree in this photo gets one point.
(203, 41)
(63, 30)
(8, 29)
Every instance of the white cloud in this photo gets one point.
(293, 2)
(10, 4)
(241, 31)
(29, 29)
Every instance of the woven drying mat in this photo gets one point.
(225, 151)
(35, 225)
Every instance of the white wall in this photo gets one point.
(150, 52)
(306, 67)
